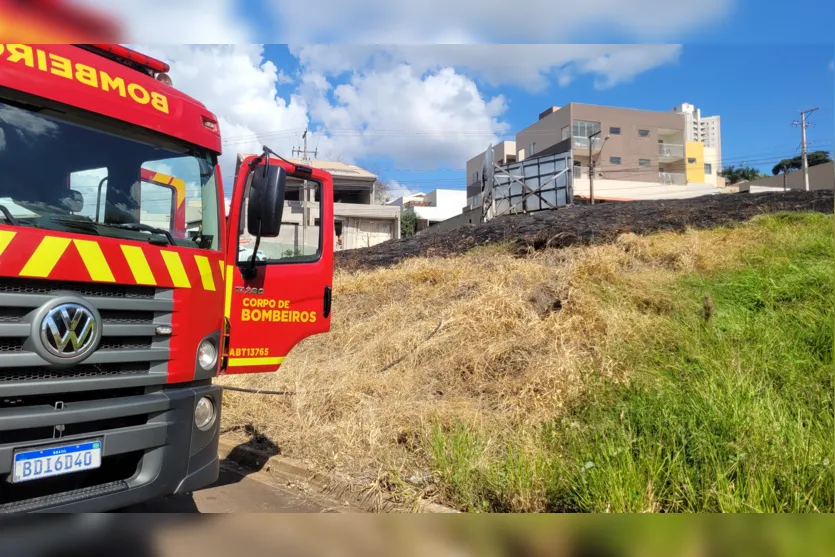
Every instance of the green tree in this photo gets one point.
(796, 163)
(817, 157)
(408, 223)
(734, 174)
(784, 166)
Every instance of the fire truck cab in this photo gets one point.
(124, 290)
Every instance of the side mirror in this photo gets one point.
(266, 201)
(73, 201)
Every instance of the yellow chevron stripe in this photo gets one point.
(94, 260)
(176, 269)
(138, 264)
(46, 256)
(220, 264)
(227, 310)
(205, 269)
(6, 237)
(240, 362)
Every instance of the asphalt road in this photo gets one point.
(241, 491)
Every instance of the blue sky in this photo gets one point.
(757, 90)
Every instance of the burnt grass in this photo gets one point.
(588, 224)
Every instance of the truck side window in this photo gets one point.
(300, 238)
(92, 185)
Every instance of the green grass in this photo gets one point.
(733, 414)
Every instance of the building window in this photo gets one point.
(643, 162)
(708, 168)
(475, 177)
(531, 149)
(643, 133)
(614, 160)
(566, 132)
(584, 128)
(614, 131)
(691, 160)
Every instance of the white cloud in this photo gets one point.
(530, 66)
(397, 190)
(419, 121)
(239, 86)
(490, 21)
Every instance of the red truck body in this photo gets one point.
(154, 302)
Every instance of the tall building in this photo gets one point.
(706, 129)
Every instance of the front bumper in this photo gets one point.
(154, 450)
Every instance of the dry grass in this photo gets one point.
(521, 339)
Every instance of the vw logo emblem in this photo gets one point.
(69, 331)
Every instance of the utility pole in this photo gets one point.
(304, 152)
(803, 123)
(305, 212)
(591, 167)
(592, 164)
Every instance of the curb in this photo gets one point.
(291, 469)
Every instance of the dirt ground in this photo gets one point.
(585, 224)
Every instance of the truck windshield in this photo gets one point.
(60, 173)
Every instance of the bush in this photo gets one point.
(408, 223)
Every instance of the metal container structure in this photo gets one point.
(534, 184)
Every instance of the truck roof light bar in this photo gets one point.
(129, 57)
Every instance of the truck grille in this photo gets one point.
(27, 286)
(75, 372)
(129, 345)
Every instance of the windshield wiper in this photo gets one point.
(9, 217)
(139, 227)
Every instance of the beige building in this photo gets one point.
(638, 154)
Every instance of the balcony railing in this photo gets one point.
(670, 150)
(583, 142)
(672, 178)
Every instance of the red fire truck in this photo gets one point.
(121, 291)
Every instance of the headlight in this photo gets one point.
(207, 354)
(204, 413)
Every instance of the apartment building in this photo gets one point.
(706, 129)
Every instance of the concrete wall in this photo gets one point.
(633, 190)
(472, 217)
(821, 177)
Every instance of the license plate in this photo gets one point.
(56, 461)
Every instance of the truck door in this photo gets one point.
(289, 298)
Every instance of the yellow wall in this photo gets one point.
(695, 170)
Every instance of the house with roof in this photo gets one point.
(358, 220)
